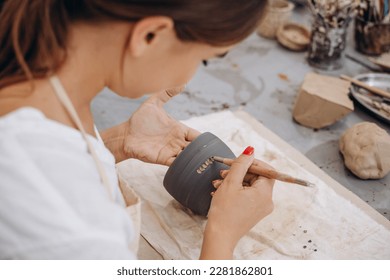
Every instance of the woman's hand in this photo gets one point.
(150, 135)
(240, 201)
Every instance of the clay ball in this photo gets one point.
(366, 150)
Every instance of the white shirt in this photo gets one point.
(52, 202)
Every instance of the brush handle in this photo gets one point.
(268, 173)
(375, 90)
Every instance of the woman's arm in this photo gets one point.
(236, 208)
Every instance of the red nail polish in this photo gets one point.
(248, 151)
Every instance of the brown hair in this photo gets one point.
(33, 33)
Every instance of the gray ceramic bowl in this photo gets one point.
(187, 181)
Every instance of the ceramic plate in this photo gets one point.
(381, 81)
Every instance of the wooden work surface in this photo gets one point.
(312, 168)
(147, 252)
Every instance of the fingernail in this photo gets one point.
(215, 181)
(248, 151)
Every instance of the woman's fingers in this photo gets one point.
(171, 92)
(249, 178)
(217, 183)
(162, 97)
(223, 173)
(262, 164)
(191, 133)
(256, 162)
(240, 167)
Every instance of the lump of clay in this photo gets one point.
(322, 101)
(366, 150)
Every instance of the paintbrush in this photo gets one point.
(361, 84)
(268, 173)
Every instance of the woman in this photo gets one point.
(59, 194)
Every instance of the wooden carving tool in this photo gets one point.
(268, 173)
(374, 90)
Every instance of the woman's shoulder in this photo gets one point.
(32, 145)
(51, 193)
(29, 128)
(29, 121)
(39, 153)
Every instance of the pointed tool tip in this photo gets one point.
(310, 185)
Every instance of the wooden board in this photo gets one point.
(165, 223)
(291, 152)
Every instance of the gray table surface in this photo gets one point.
(262, 78)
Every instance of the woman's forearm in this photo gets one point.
(217, 245)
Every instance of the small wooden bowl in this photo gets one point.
(184, 181)
(293, 36)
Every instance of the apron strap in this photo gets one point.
(67, 103)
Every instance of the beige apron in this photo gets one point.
(132, 201)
